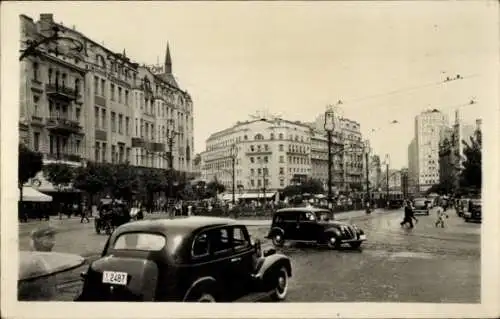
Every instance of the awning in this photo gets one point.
(32, 195)
(248, 196)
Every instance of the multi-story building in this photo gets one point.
(319, 159)
(412, 167)
(348, 161)
(394, 180)
(271, 153)
(451, 149)
(428, 127)
(98, 105)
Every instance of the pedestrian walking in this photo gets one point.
(84, 213)
(409, 216)
(441, 215)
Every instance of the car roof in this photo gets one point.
(177, 225)
(302, 209)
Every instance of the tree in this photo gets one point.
(29, 164)
(215, 187)
(92, 178)
(442, 188)
(124, 181)
(470, 176)
(197, 160)
(58, 174)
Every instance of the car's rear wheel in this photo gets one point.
(281, 285)
(278, 239)
(206, 297)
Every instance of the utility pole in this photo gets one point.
(367, 151)
(234, 152)
(387, 177)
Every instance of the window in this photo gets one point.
(251, 160)
(281, 136)
(259, 183)
(140, 241)
(104, 120)
(64, 76)
(266, 159)
(104, 147)
(200, 246)
(266, 147)
(252, 182)
(120, 123)
(252, 171)
(282, 183)
(97, 151)
(78, 112)
(127, 124)
(112, 89)
(50, 76)
(113, 154)
(136, 127)
(96, 85)
(113, 122)
(282, 159)
(259, 171)
(239, 239)
(103, 86)
(252, 148)
(96, 119)
(281, 148)
(36, 141)
(35, 71)
(282, 170)
(119, 94)
(127, 155)
(220, 241)
(272, 136)
(126, 97)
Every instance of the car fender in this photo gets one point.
(273, 263)
(332, 230)
(199, 283)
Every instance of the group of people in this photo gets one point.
(409, 215)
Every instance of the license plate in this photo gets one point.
(114, 277)
(362, 237)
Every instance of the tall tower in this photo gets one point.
(168, 61)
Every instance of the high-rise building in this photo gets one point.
(425, 171)
(99, 105)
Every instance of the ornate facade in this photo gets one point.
(99, 105)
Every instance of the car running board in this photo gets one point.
(254, 297)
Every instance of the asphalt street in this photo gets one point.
(424, 264)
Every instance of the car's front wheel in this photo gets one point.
(278, 239)
(281, 285)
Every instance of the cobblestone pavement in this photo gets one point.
(425, 264)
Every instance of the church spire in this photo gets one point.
(168, 61)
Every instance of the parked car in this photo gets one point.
(421, 206)
(462, 206)
(191, 259)
(313, 225)
(474, 210)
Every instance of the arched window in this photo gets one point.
(258, 137)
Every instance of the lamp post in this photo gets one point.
(170, 140)
(261, 162)
(367, 156)
(387, 159)
(234, 153)
(329, 127)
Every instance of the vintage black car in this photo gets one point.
(421, 206)
(474, 210)
(192, 259)
(313, 225)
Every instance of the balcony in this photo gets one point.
(158, 147)
(61, 92)
(63, 125)
(37, 120)
(259, 152)
(62, 157)
(99, 100)
(138, 142)
(101, 135)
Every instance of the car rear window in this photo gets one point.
(140, 241)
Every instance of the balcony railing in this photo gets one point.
(37, 120)
(61, 92)
(63, 125)
(63, 157)
(99, 100)
(101, 135)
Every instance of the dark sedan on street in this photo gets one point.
(192, 259)
(421, 206)
(313, 225)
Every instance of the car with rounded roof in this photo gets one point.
(191, 259)
(313, 225)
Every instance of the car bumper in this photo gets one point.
(358, 239)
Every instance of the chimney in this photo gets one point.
(46, 22)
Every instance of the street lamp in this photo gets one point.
(234, 153)
(32, 46)
(171, 133)
(329, 127)
(367, 151)
(261, 162)
(387, 160)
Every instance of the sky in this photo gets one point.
(294, 58)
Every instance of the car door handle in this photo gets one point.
(233, 260)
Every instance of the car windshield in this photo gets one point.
(140, 241)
